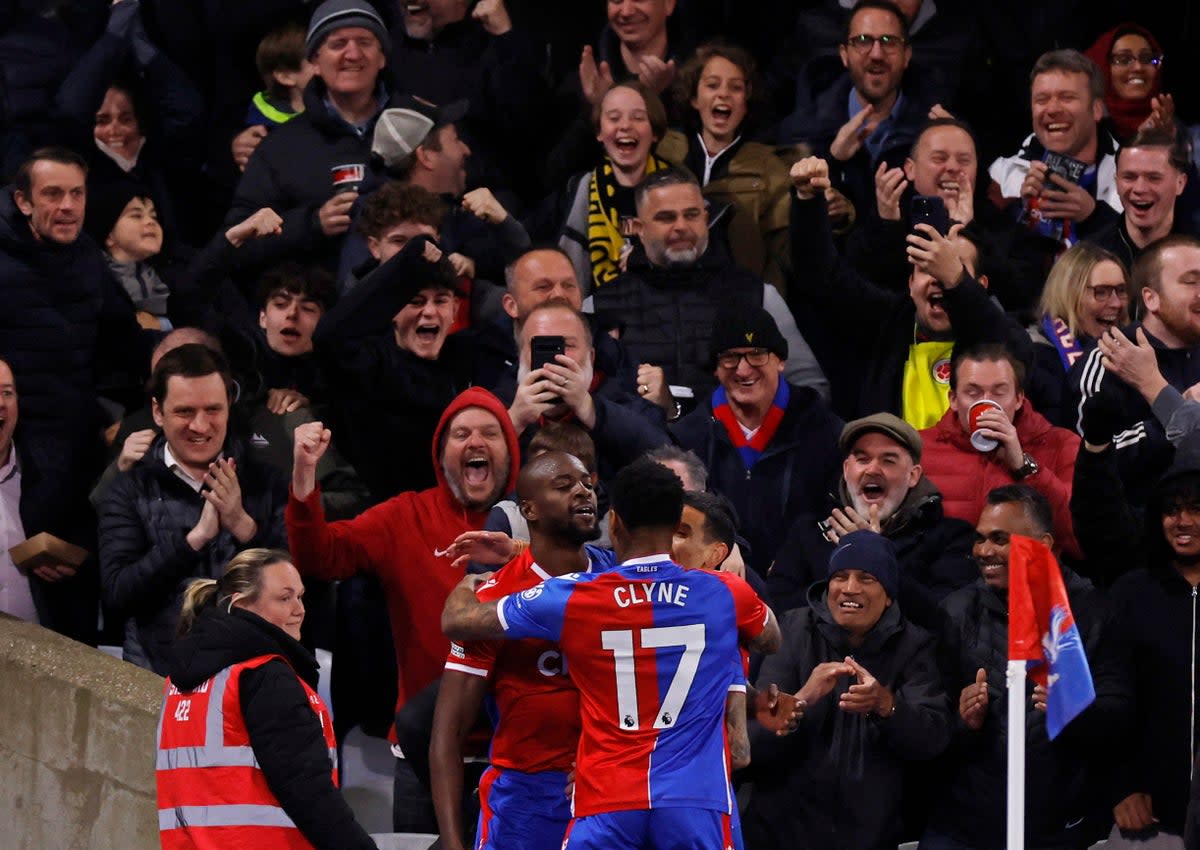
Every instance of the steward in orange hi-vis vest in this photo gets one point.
(246, 757)
(211, 790)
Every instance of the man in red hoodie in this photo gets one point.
(1013, 443)
(405, 541)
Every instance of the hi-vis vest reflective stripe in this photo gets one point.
(211, 790)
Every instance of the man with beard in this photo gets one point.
(883, 488)
(675, 285)
(1152, 171)
(658, 771)
(571, 389)
(1026, 447)
(1062, 791)
(405, 542)
(870, 115)
(1110, 411)
(531, 701)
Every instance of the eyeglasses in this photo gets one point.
(755, 357)
(888, 43)
(1103, 293)
(1128, 58)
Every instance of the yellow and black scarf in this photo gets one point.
(605, 240)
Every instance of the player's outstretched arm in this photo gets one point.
(465, 617)
(770, 638)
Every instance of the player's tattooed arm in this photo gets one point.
(770, 638)
(735, 729)
(466, 618)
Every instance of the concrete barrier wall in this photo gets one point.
(76, 745)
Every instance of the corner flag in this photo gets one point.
(1042, 630)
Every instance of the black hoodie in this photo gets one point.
(284, 731)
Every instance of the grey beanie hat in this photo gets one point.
(336, 14)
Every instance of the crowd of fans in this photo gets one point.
(320, 277)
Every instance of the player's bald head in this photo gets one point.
(537, 474)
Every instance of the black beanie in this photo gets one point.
(105, 203)
(741, 323)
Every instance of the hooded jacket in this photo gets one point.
(934, 552)
(838, 780)
(965, 475)
(284, 732)
(403, 542)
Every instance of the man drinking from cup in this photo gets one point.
(992, 436)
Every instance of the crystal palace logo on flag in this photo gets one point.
(1042, 631)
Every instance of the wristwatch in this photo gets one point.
(1028, 468)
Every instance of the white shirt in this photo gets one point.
(15, 597)
(181, 473)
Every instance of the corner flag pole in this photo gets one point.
(1016, 755)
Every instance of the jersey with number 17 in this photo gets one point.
(653, 650)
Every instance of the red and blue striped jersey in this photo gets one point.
(533, 706)
(653, 650)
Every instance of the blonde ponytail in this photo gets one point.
(199, 595)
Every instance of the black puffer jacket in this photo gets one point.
(934, 554)
(285, 733)
(64, 317)
(837, 782)
(1064, 801)
(145, 560)
(668, 314)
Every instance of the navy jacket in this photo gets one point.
(798, 467)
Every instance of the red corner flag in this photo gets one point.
(1041, 629)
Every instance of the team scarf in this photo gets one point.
(605, 240)
(751, 450)
(1064, 342)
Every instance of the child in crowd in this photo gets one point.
(285, 70)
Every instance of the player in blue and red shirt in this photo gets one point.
(533, 706)
(653, 650)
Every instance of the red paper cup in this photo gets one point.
(978, 440)
(347, 178)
